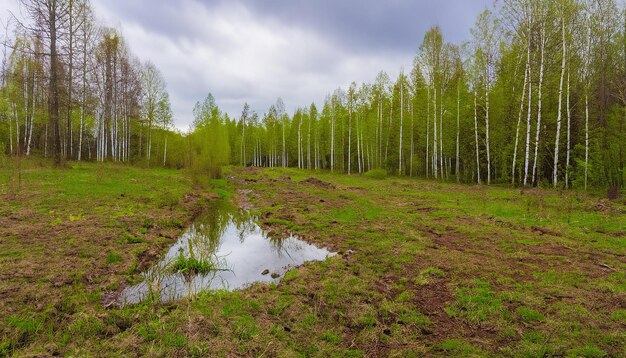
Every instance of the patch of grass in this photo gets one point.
(192, 265)
(588, 351)
(619, 315)
(245, 328)
(429, 275)
(529, 315)
(412, 249)
(376, 174)
(330, 337)
(132, 239)
(458, 348)
(113, 258)
(476, 303)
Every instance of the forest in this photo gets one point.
(471, 206)
(537, 97)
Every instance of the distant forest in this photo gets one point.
(536, 97)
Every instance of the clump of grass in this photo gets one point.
(171, 223)
(113, 258)
(167, 199)
(428, 275)
(330, 337)
(132, 239)
(192, 265)
(376, 174)
(529, 315)
(476, 303)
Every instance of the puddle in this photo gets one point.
(237, 248)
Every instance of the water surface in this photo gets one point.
(239, 250)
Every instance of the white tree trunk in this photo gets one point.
(586, 138)
(476, 137)
(32, 118)
(538, 133)
(308, 144)
(349, 136)
(412, 137)
(332, 142)
(401, 123)
(435, 154)
(569, 129)
(284, 159)
(165, 152)
(555, 177)
(441, 160)
(427, 129)
(519, 116)
(457, 164)
(487, 132)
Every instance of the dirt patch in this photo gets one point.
(319, 183)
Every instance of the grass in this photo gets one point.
(192, 265)
(425, 268)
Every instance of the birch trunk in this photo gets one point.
(350, 136)
(586, 138)
(441, 160)
(458, 133)
(476, 137)
(559, 111)
(401, 122)
(487, 132)
(538, 133)
(519, 116)
(569, 129)
(427, 129)
(435, 151)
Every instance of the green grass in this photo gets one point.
(192, 265)
(113, 258)
(376, 174)
(425, 268)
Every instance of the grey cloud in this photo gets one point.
(256, 51)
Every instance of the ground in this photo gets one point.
(424, 268)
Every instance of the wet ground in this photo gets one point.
(238, 250)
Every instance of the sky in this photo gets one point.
(256, 51)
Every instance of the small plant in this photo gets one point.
(75, 218)
(376, 174)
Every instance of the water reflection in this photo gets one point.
(237, 248)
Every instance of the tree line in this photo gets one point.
(536, 97)
(71, 89)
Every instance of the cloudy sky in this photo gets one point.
(256, 51)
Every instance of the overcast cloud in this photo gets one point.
(255, 51)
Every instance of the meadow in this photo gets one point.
(424, 268)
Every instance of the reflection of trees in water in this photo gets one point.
(207, 231)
